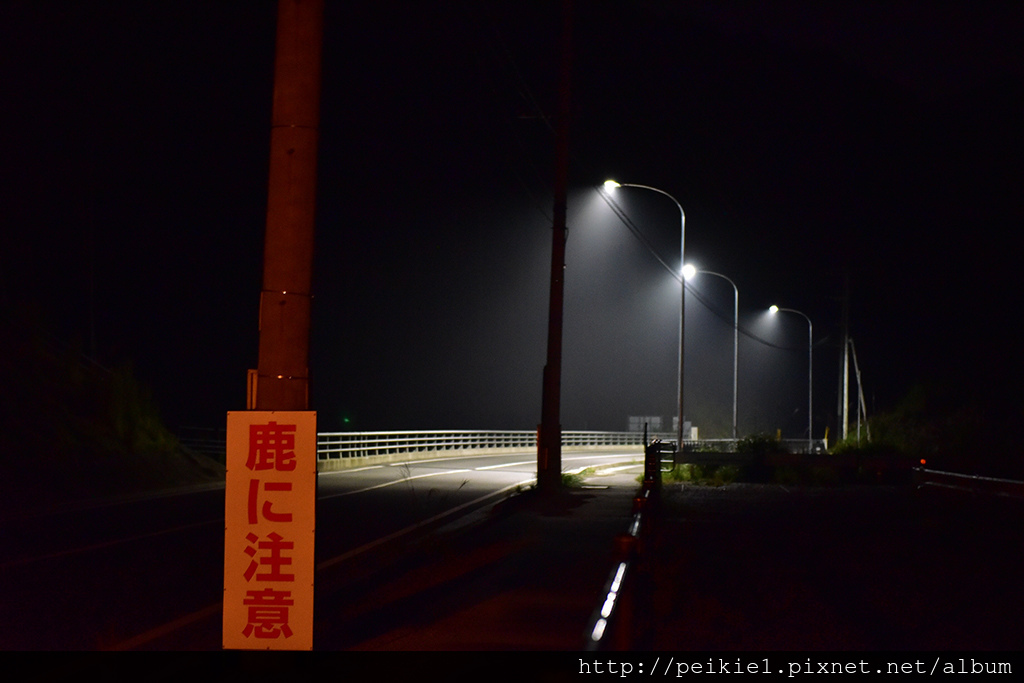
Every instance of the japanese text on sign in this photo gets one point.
(269, 523)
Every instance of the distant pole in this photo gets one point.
(735, 342)
(549, 441)
(862, 409)
(844, 402)
(680, 430)
(735, 359)
(282, 378)
(810, 374)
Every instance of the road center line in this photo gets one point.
(212, 610)
(354, 469)
(392, 483)
(441, 515)
(507, 464)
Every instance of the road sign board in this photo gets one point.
(269, 525)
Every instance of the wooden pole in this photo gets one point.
(282, 377)
(549, 442)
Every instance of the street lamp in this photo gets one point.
(689, 272)
(611, 185)
(810, 345)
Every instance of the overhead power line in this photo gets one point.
(636, 232)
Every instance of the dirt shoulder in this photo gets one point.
(763, 567)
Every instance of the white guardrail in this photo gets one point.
(343, 445)
(968, 482)
(338, 450)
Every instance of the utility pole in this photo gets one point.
(281, 381)
(549, 437)
(862, 411)
(278, 431)
(844, 383)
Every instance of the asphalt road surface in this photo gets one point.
(147, 574)
(742, 567)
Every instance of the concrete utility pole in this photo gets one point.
(549, 437)
(282, 378)
(844, 383)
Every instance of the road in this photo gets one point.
(147, 574)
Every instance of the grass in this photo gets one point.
(703, 475)
(575, 479)
(570, 480)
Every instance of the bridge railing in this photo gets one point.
(342, 445)
(971, 483)
(345, 445)
(338, 446)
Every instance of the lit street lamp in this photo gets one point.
(810, 345)
(609, 186)
(689, 272)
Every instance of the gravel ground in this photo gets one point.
(766, 567)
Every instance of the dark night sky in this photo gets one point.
(808, 143)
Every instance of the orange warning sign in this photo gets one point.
(269, 524)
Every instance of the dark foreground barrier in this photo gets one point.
(925, 478)
(614, 623)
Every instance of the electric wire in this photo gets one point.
(501, 54)
(636, 232)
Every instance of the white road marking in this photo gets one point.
(216, 608)
(507, 464)
(392, 483)
(354, 469)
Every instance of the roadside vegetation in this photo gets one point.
(576, 479)
(767, 461)
(756, 448)
(932, 426)
(75, 429)
(703, 475)
(942, 429)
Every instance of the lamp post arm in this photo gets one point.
(682, 300)
(682, 304)
(682, 213)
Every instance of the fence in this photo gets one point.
(621, 620)
(336, 447)
(968, 482)
(205, 440)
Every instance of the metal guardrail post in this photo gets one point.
(655, 461)
(652, 464)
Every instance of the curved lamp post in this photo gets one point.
(689, 272)
(609, 186)
(810, 345)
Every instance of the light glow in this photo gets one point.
(618, 577)
(609, 605)
(610, 185)
(773, 309)
(689, 271)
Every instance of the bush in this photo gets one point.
(760, 444)
(759, 447)
(74, 427)
(575, 479)
(704, 475)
